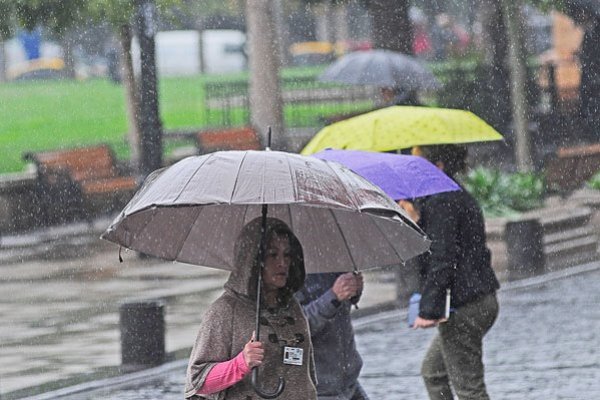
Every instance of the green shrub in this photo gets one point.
(594, 181)
(503, 195)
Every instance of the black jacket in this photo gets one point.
(459, 258)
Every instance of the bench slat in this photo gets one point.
(230, 139)
(87, 173)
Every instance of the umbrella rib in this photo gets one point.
(293, 177)
(290, 214)
(190, 179)
(387, 239)
(148, 221)
(237, 177)
(344, 239)
(348, 194)
(187, 235)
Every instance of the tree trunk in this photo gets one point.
(324, 28)
(391, 28)
(517, 66)
(150, 125)
(266, 107)
(199, 26)
(495, 87)
(282, 32)
(340, 22)
(68, 44)
(131, 99)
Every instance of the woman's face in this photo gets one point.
(277, 263)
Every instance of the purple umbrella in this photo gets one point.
(400, 176)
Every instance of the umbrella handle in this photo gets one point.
(266, 395)
(261, 261)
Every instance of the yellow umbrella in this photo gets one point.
(400, 127)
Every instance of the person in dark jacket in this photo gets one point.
(460, 261)
(326, 300)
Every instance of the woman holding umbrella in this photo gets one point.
(225, 350)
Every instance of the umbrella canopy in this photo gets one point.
(193, 211)
(399, 176)
(400, 127)
(383, 68)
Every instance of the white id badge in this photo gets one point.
(292, 355)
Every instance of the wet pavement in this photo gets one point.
(545, 345)
(59, 298)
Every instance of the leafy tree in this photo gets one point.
(121, 15)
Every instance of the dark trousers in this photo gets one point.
(360, 393)
(455, 355)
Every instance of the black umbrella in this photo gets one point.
(382, 68)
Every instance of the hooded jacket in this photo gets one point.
(459, 259)
(337, 360)
(229, 322)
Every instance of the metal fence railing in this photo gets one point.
(306, 102)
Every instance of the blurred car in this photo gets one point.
(40, 68)
(312, 53)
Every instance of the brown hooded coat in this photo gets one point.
(229, 322)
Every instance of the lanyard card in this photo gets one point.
(292, 355)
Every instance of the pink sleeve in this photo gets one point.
(224, 375)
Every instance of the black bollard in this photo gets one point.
(142, 334)
(525, 248)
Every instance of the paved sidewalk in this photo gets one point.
(60, 314)
(543, 346)
(60, 290)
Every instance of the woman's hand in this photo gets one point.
(427, 323)
(253, 353)
(411, 210)
(347, 285)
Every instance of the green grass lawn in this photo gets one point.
(59, 114)
(44, 115)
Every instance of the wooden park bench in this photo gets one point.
(211, 140)
(569, 167)
(243, 138)
(80, 181)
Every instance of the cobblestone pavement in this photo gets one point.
(545, 345)
(59, 315)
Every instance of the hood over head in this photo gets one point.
(243, 279)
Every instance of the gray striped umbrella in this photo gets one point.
(193, 211)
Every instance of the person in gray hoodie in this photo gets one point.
(326, 300)
(225, 350)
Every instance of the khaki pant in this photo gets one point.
(455, 355)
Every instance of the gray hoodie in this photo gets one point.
(228, 324)
(337, 360)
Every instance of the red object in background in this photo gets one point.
(355, 45)
(421, 42)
